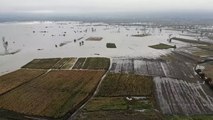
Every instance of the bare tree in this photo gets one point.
(5, 44)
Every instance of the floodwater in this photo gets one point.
(43, 39)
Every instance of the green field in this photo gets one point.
(111, 102)
(162, 46)
(126, 85)
(111, 45)
(92, 63)
(60, 63)
(97, 63)
(42, 63)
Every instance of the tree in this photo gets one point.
(5, 44)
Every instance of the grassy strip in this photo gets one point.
(106, 103)
(162, 46)
(140, 35)
(111, 45)
(117, 103)
(119, 115)
(204, 51)
(208, 47)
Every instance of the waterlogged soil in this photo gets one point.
(182, 97)
(153, 67)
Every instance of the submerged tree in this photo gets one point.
(5, 44)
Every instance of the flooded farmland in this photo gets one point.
(117, 71)
(63, 39)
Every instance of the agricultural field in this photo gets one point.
(182, 97)
(54, 94)
(60, 63)
(162, 46)
(12, 80)
(79, 64)
(111, 45)
(101, 108)
(69, 64)
(204, 51)
(42, 63)
(115, 85)
(153, 67)
(97, 63)
(122, 96)
(92, 63)
(119, 115)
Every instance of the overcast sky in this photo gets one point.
(89, 6)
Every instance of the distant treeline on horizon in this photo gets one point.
(161, 18)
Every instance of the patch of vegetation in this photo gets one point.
(106, 103)
(140, 35)
(126, 85)
(140, 104)
(203, 51)
(42, 63)
(94, 39)
(97, 63)
(115, 99)
(111, 45)
(162, 46)
(208, 47)
(119, 115)
(17, 78)
(54, 94)
(118, 103)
